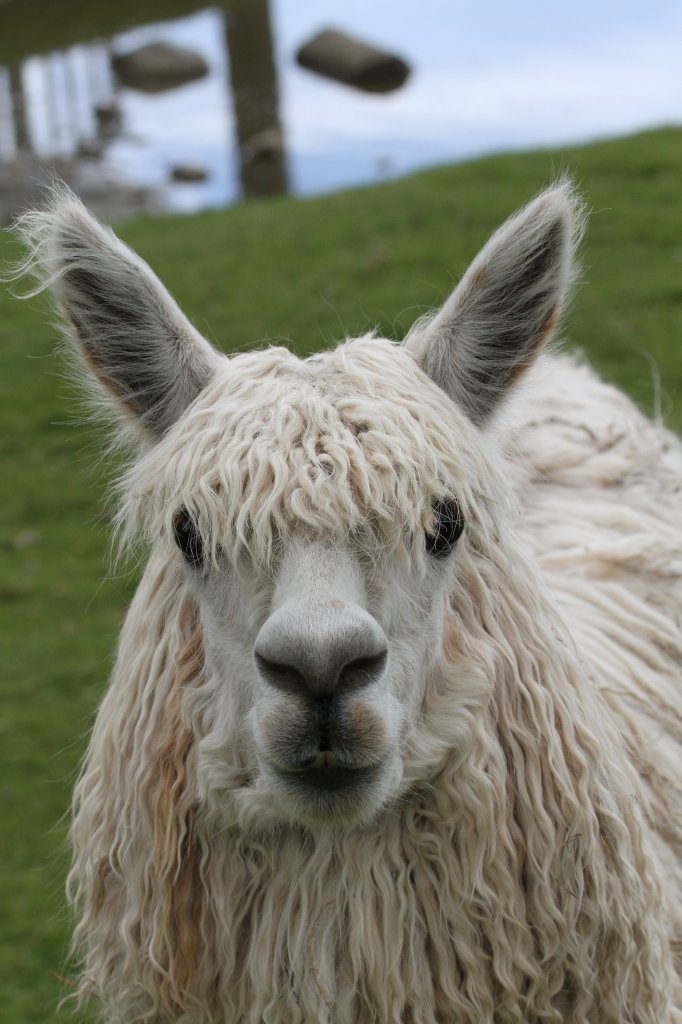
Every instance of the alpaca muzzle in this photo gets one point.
(320, 662)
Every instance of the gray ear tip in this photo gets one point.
(38, 229)
(59, 213)
(58, 197)
(54, 232)
(562, 201)
(551, 225)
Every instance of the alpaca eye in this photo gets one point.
(448, 527)
(188, 538)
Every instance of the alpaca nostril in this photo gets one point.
(354, 675)
(362, 671)
(281, 676)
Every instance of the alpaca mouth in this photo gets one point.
(325, 774)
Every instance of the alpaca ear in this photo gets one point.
(505, 307)
(133, 338)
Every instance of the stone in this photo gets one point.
(339, 56)
(265, 145)
(158, 66)
(188, 173)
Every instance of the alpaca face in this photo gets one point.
(317, 519)
(321, 556)
(320, 510)
(324, 681)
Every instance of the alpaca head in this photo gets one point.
(319, 512)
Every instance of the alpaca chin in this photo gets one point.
(334, 804)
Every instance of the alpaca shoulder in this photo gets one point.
(599, 492)
(600, 500)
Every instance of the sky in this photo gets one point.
(490, 75)
(486, 76)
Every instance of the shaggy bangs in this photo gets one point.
(339, 445)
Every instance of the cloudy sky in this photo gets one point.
(490, 75)
(485, 76)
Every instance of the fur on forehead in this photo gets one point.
(352, 442)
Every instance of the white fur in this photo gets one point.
(514, 855)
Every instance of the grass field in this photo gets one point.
(310, 271)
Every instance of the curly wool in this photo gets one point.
(530, 874)
(278, 444)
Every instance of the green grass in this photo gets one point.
(312, 271)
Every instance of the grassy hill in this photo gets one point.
(311, 271)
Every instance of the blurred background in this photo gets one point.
(294, 172)
(178, 106)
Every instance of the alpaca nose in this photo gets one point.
(319, 651)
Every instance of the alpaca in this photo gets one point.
(393, 731)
